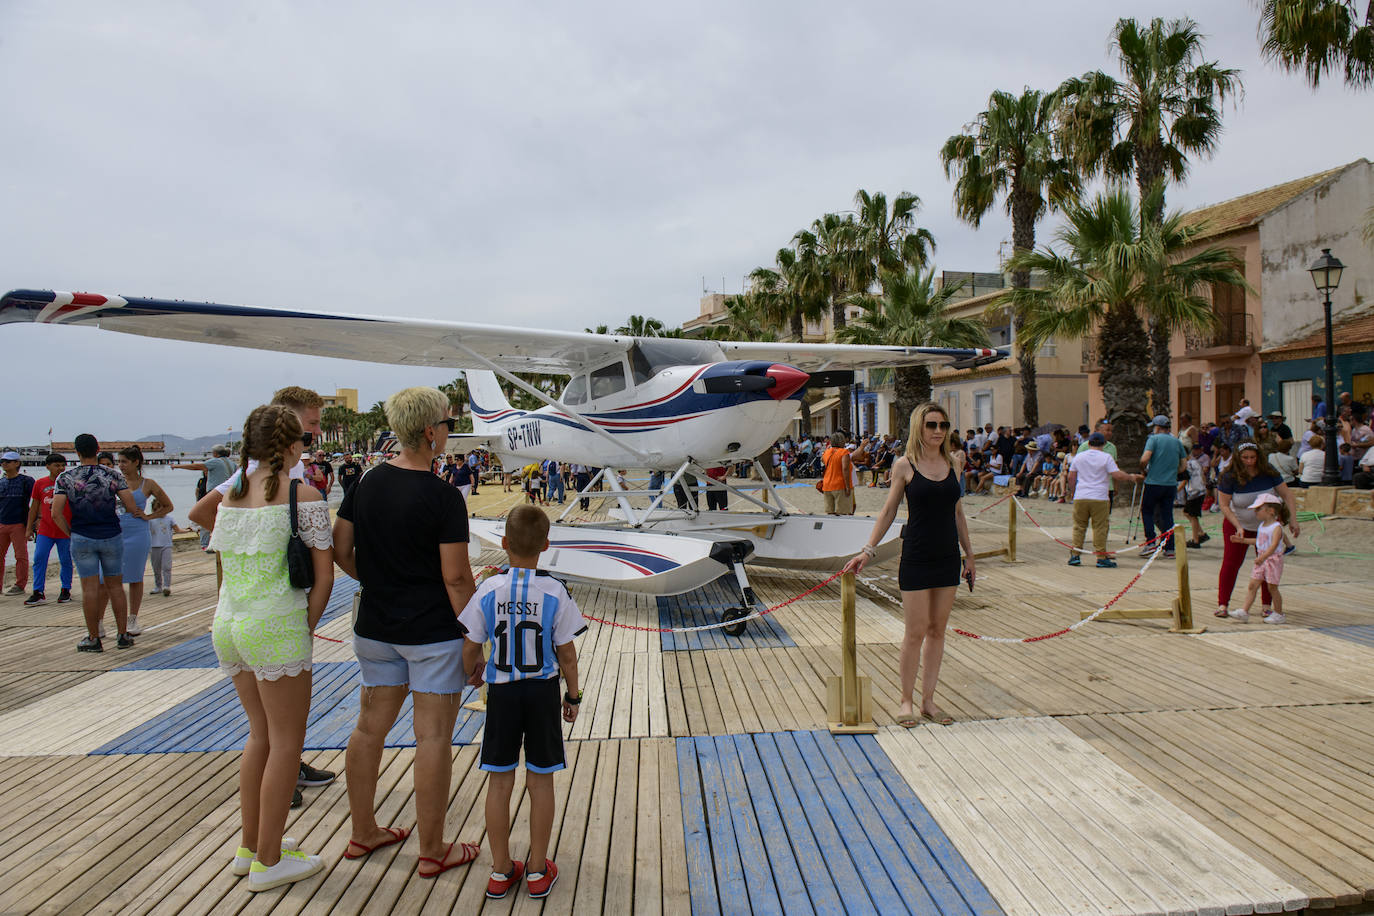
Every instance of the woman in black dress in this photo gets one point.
(930, 569)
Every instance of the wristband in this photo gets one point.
(871, 553)
(568, 698)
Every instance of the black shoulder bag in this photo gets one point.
(300, 566)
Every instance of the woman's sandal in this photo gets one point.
(943, 719)
(398, 835)
(470, 851)
(1221, 612)
(908, 721)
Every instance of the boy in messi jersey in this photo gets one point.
(531, 621)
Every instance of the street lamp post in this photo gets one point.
(1326, 276)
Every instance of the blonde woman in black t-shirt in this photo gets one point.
(402, 532)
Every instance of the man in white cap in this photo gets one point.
(15, 491)
(1164, 457)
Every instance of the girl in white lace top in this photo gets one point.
(262, 635)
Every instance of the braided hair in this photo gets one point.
(268, 434)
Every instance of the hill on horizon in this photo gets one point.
(177, 444)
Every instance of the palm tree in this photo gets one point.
(599, 329)
(1319, 37)
(831, 264)
(335, 420)
(639, 326)
(1012, 150)
(911, 313)
(788, 301)
(457, 393)
(890, 240)
(1113, 269)
(1167, 108)
(746, 318)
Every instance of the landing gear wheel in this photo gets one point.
(735, 613)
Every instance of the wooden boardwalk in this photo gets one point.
(1119, 769)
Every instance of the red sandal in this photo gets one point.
(398, 835)
(470, 851)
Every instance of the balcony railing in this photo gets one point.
(1233, 329)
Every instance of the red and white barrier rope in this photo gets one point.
(1069, 629)
(1108, 553)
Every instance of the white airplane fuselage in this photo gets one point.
(659, 423)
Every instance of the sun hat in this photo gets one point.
(1276, 413)
(9, 456)
(1266, 498)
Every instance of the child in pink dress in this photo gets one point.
(1269, 541)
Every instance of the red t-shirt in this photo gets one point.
(43, 490)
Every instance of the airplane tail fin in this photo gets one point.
(486, 399)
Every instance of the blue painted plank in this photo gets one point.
(811, 863)
(776, 851)
(701, 880)
(944, 895)
(853, 832)
(854, 890)
(724, 848)
(952, 862)
(886, 850)
(1360, 634)
(754, 855)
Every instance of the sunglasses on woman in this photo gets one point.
(941, 424)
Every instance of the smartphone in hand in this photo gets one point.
(968, 577)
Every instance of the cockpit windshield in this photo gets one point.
(649, 357)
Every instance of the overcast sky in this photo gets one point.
(549, 165)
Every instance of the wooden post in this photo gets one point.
(1183, 604)
(1011, 530)
(849, 698)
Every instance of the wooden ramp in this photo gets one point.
(1120, 769)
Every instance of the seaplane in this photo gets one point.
(676, 406)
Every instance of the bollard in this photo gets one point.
(849, 698)
(1011, 530)
(1183, 604)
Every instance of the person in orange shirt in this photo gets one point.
(837, 482)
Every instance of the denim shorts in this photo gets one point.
(435, 667)
(95, 557)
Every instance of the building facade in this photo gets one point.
(1275, 234)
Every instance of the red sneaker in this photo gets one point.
(541, 885)
(498, 885)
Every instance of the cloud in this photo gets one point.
(527, 164)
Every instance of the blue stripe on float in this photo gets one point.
(701, 880)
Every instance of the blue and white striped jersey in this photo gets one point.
(524, 614)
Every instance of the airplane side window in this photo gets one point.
(608, 380)
(576, 392)
(640, 366)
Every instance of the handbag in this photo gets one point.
(300, 566)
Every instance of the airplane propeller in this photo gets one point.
(780, 381)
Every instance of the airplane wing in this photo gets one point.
(399, 341)
(824, 357)
(418, 342)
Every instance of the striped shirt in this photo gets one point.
(526, 615)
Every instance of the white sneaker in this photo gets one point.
(1239, 614)
(1275, 617)
(243, 856)
(294, 866)
(134, 629)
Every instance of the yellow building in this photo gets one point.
(342, 397)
